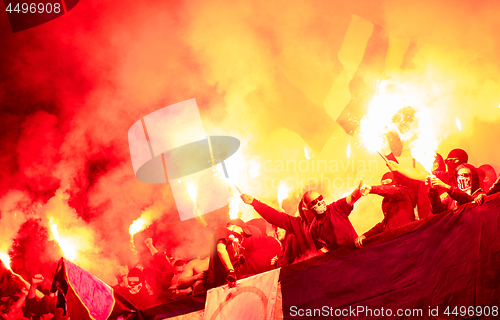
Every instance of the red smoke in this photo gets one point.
(275, 75)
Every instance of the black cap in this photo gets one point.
(240, 223)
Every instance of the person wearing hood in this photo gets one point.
(398, 206)
(331, 227)
(465, 188)
(301, 245)
(225, 255)
(296, 226)
(455, 158)
(495, 188)
(487, 176)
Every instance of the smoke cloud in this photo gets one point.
(282, 77)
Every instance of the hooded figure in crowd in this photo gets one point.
(331, 227)
(225, 255)
(397, 206)
(466, 187)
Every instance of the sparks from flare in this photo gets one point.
(69, 250)
(5, 259)
(397, 109)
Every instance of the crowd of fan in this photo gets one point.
(242, 249)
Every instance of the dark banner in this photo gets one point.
(447, 265)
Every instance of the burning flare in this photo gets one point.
(398, 111)
(137, 225)
(283, 193)
(69, 249)
(348, 151)
(5, 259)
(234, 208)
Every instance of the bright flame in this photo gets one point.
(234, 208)
(283, 192)
(306, 154)
(397, 109)
(137, 225)
(459, 125)
(69, 250)
(254, 169)
(348, 151)
(192, 191)
(5, 259)
(423, 148)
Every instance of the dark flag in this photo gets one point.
(83, 296)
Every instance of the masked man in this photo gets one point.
(303, 245)
(466, 187)
(397, 206)
(331, 227)
(225, 254)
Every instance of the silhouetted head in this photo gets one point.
(455, 158)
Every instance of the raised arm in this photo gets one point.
(390, 191)
(269, 214)
(355, 194)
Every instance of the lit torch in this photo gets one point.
(398, 110)
(69, 250)
(283, 192)
(138, 225)
(5, 259)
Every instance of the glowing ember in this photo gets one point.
(306, 153)
(69, 250)
(192, 191)
(137, 226)
(459, 124)
(283, 192)
(348, 151)
(5, 259)
(254, 169)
